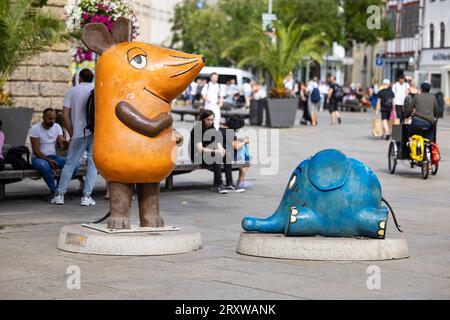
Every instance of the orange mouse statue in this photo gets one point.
(134, 142)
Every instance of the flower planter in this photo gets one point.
(282, 113)
(16, 122)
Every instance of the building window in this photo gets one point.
(442, 35)
(436, 80)
(431, 36)
(409, 21)
(392, 20)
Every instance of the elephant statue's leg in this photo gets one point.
(302, 221)
(120, 201)
(148, 197)
(372, 222)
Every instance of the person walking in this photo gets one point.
(303, 104)
(313, 100)
(213, 95)
(334, 97)
(323, 88)
(401, 90)
(373, 94)
(82, 139)
(385, 105)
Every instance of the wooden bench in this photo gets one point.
(10, 175)
(187, 167)
(182, 111)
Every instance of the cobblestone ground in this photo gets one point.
(32, 267)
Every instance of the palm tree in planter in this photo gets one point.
(293, 45)
(25, 30)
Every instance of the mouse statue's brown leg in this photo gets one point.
(120, 201)
(148, 197)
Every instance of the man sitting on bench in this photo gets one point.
(43, 137)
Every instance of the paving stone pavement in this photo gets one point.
(31, 267)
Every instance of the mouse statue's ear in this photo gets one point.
(121, 31)
(96, 37)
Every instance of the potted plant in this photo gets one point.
(278, 52)
(25, 30)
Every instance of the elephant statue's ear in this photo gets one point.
(328, 169)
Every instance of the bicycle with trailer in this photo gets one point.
(419, 151)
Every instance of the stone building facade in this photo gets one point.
(42, 81)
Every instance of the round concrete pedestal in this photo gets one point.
(320, 248)
(79, 239)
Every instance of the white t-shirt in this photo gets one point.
(400, 91)
(260, 94)
(193, 88)
(47, 137)
(247, 88)
(212, 91)
(323, 88)
(289, 84)
(311, 86)
(76, 99)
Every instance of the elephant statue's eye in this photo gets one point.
(292, 182)
(137, 58)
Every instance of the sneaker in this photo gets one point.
(87, 201)
(57, 199)
(244, 185)
(232, 188)
(221, 189)
(388, 136)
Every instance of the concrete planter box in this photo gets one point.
(16, 122)
(282, 113)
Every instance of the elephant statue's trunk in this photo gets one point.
(273, 224)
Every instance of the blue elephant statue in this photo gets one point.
(329, 195)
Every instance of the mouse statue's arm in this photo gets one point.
(136, 121)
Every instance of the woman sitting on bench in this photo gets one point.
(206, 148)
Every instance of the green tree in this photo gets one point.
(200, 31)
(322, 16)
(25, 29)
(343, 21)
(293, 44)
(355, 18)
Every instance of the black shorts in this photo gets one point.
(332, 106)
(385, 114)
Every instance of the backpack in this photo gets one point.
(338, 92)
(315, 95)
(408, 104)
(14, 156)
(90, 112)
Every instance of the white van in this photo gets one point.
(226, 74)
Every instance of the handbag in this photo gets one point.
(377, 129)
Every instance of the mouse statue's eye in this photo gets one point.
(137, 58)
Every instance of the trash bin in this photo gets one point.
(256, 113)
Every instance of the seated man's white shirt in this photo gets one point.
(47, 138)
